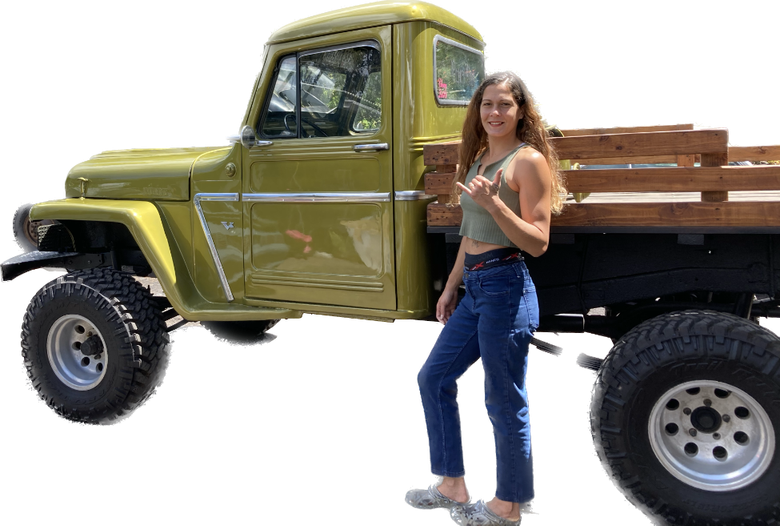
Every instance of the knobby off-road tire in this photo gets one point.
(686, 419)
(94, 345)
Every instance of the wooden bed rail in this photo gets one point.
(644, 197)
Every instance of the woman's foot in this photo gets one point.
(428, 499)
(454, 489)
(504, 509)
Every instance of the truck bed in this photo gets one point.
(693, 232)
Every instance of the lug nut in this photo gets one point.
(687, 411)
(707, 402)
(693, 432)
(716, 436)
(726, 418)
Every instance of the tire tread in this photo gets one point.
(140, 327)
(682, 342)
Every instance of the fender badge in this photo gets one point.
(227, 225)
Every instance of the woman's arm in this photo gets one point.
(449, 296)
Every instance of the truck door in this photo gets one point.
(317, 187)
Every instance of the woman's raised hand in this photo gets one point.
(482, 190)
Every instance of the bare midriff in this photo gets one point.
(472, 246)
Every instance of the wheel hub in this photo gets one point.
(75, 349)
(711, 435)
(92, 346)
(706, 420)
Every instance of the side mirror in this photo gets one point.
(248, 137)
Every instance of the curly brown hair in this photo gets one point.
(530, 129)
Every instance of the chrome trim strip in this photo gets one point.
(212, 248)
(413, 195)
(318, 198)
(371, 147)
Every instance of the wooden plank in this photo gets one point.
(446, 153)
(440, 214)
(673, 179)
(641, 144)
(438, 183)
(638, 159)
(681, 214)
(441, 154)
(677, 197)
(629, 129)
(715, 159)
(754, 153)
(696, 214)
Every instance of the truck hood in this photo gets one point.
(157, 175)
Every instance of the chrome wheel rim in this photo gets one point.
(711, 435)
(76, 352)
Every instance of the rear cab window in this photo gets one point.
(458, 71)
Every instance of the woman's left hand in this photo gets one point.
(483, 191)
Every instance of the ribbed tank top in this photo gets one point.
(477, 222)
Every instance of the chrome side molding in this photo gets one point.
(318, 198)
(212, 248)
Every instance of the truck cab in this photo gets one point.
(318, 205)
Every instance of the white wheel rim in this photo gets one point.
(711, 435)
(75, 369)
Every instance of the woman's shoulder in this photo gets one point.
(528, 162)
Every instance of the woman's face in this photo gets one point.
(499, 111)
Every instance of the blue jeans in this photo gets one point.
(495, 322)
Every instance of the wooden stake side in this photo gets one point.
(714, 179)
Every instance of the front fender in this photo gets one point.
(143, 221)
(145, 224)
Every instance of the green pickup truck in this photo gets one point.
(325, 203)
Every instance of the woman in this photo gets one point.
(510, 187)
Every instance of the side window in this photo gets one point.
(458, 71)
(279, 119)
(339, 93)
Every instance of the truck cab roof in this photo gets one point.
(371, 15)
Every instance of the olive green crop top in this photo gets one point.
(477, 222)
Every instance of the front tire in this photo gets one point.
(94, 345)
(686, 417)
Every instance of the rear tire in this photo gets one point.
(686, 417)
(94, 345)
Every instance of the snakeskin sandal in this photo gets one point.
(478, 514)
(429, 499)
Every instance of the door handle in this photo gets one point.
(371, 147)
